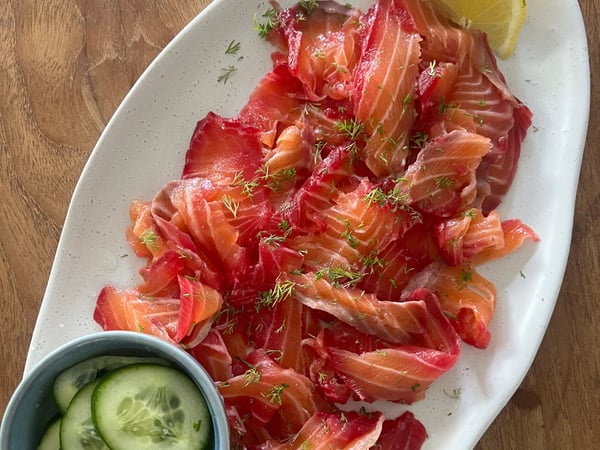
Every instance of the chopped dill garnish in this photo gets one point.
(270, 22)
(348, 236)
(433, 72)
(419, 140)
(354, 130)
(149, 238)
(279, 292)
(231, 204)
(319, 54)
(472, 213)
(443, 182)
(276, 181)
(375, 196)
(274, 395)
(340, 276)
(248, 187)
(233, 47)
(465, 277)
(274, 240)
(226, 73)
(372, 260)
(455, 394)
(252, 376)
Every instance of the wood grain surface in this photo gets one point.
(65, 65)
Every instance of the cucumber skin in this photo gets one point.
(75, 417)
(51, 438)
(144, 376)
(71, 380)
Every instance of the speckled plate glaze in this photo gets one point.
(144, 144)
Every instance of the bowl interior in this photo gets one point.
(32, 406)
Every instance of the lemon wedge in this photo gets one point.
(501, 20)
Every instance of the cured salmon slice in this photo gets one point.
(443, 41)
(329, 177)
(280, 101)
(160, 276)
(288, 163)
(277, 389)
(388, 270)
(213, 355)
(279, 330)
(435, 83)
(331, 291)
(293, 149)
(352, 227)
(515, 234)
(478, 92)
(403, 433)
(144, 236)
(384, 86)
(342, 430)
(465, 236)
(375, 369)
(277, 101)
(222, 221)
(495, 175)
(481, 92)
(322, 51)
(222, 148)
(198, 306)
(467, 299)
(205, 213)
(442, 180)
(130, 311)
(398, 374)
(251, 278)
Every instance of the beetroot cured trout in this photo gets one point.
(322, 247)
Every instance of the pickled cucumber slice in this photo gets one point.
(144, 406)
(51, 438)
(77, 430)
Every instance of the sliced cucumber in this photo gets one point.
(144, 406)
(74, 378)
(77, 430)
(51, 438)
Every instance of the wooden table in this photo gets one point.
(65, 66)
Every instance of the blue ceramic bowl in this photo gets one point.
(32, 405)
